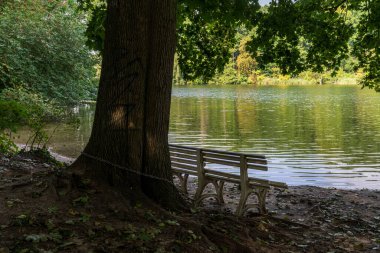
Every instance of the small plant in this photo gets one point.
(37, 238)
(23, 220)
(172, 222)
(192, 237)
(50, 224)
(52, 210)
(44, 155)
(7, 146)
(81, 201)
(85, 217)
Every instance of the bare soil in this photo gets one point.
(38, 213)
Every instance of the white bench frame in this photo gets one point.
(193, 161)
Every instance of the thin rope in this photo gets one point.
(126, 169)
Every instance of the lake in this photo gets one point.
(312, 135)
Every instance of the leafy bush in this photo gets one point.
(37, 108)
(42, 47)
(22, 106)
(12, 115)
(44, 63)
(7, 146)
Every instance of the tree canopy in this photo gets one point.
(322, 29)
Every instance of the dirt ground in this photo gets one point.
(39, 215)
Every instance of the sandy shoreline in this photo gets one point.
(287, 202)
(350, 218)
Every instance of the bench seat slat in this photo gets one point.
(221, 173)
(236, 181)
(235, 176)
(226, 179)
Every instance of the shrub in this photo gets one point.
(42, 46)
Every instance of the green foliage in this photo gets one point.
(12, 114)
(7, 146)
(42, 47)
(203, 48)
(36, 109)
(294, 36)
(206, 32)
(20, 106)
(245, 64)
(229, 75)
(366, 46)
(96, 10)
(302, 35)
(44, 155)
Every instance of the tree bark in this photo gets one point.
(128, 146)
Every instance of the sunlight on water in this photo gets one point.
(324, 136)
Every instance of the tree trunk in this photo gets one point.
(129, 141)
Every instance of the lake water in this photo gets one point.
(324, 135)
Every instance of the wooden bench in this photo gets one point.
(206, 165)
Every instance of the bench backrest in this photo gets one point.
(192, 159)
(184, 159)
(199, 161)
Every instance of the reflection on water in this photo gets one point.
(324, 136)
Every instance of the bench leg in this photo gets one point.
(243, 200)
(261, 197)
(219, 191)
(184, 183)
(198, 195)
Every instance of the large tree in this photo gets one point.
(129, 142)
